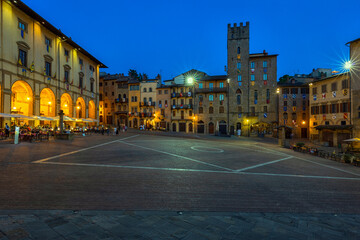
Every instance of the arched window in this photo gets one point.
(221, 109)
(124, 95)
(293, 116)
(201, 110)
(211, 110)
(285, 116)
(101, 118)
(238, 99)
(150, 89)
(144, 90)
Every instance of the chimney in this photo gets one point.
(265, 53)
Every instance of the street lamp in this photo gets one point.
(247, 121)
(228, 104)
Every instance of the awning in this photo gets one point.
(92, 119)
(352, 140)
(21, 116)
(65, 118)
(334, 127)
(5, 115)
(41, 118)
(86, 120)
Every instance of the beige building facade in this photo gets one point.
(163, 108)
(43, 71)
(330, 117)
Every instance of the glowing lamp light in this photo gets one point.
(310, 84)
(278, 90)
(348, 65)
(14, 108)
(194, 118)
(303, 122)
(65, 105)
(49, 103)
(78, 107)
(28, 98)
(247, 120)
(190, 80)
(228, 80)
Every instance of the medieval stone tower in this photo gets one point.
(252, 83)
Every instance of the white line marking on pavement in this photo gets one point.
(179, 156)
(263, 164)
(320, 164)
(81, 150)
(299, 176)
(135, 167)
(197, 170)
(202, 149)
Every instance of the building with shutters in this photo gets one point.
(293, 101)
(330, 117)
(354, 75)
(147, 102)
(163, 108)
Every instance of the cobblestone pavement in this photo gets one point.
(175, 225)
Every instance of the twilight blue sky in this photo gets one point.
(173, 36)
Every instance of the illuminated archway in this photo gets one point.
(92, 110)
(66, 104)
(47, 103)
(80, 108)
(21, 98)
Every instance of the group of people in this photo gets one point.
(114, 131)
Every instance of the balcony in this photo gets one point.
(121, 100)
(146, 114)
(146, 104)
(179, 118)
(182, 106)
(178, 95)
(122, 112)
(211, 90)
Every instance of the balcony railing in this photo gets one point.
(147, 104)
(177, 95)
(211, 90)
(121, 100)
(182, 106)
(179, 118)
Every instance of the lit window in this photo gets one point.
(265, 77)
(221, 97)
(211, 85)
(200, 85)
(239, 78)
(221, 85)
(239, 66)
(211, 98)
(252, 77)
(252, 64)
(264, 64)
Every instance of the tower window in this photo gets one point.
(238, 50)
(252, 64)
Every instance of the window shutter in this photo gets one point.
(341, 107)
(349, 106)
(337, 107)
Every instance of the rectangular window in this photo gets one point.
(22, 25)
(200, 98)
(221, 97)
(23, 58)
(211, 85)
(190, 113)
(265, 77)
(239, 66)
(252, 65)
(333, 108)
(267, 94)
(66, 53)
(314, 90)
(48, 69)
(211, 98)
(294, 91)
(265, 109)
(174, 114)
(252, 77)
(81, 61)
(304, 90)
(47, 44)
(221, 85)
(166, 92)
(239, 78)
(285, 91)
(323, 88)
(200, 85)
(344, 84)
(92, 86)
(294, 103)
(112, 94)
(81, 82)
(265, 64)
(334, 86)
(160, 92)
(256, 95)
(66, 76)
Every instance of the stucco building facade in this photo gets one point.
(43, 71)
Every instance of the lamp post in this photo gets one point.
(228, 105)
(247, 121)
(191, 81)
(348, 66)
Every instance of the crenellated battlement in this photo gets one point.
(237, 32)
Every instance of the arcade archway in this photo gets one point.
(47, 103)
(21, 98)
(66, 104)
(92, 113)
(80, 108)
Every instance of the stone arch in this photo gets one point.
(92, 110)
(47, 103)
(22, 98)
(66, 104)
(80, 108)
